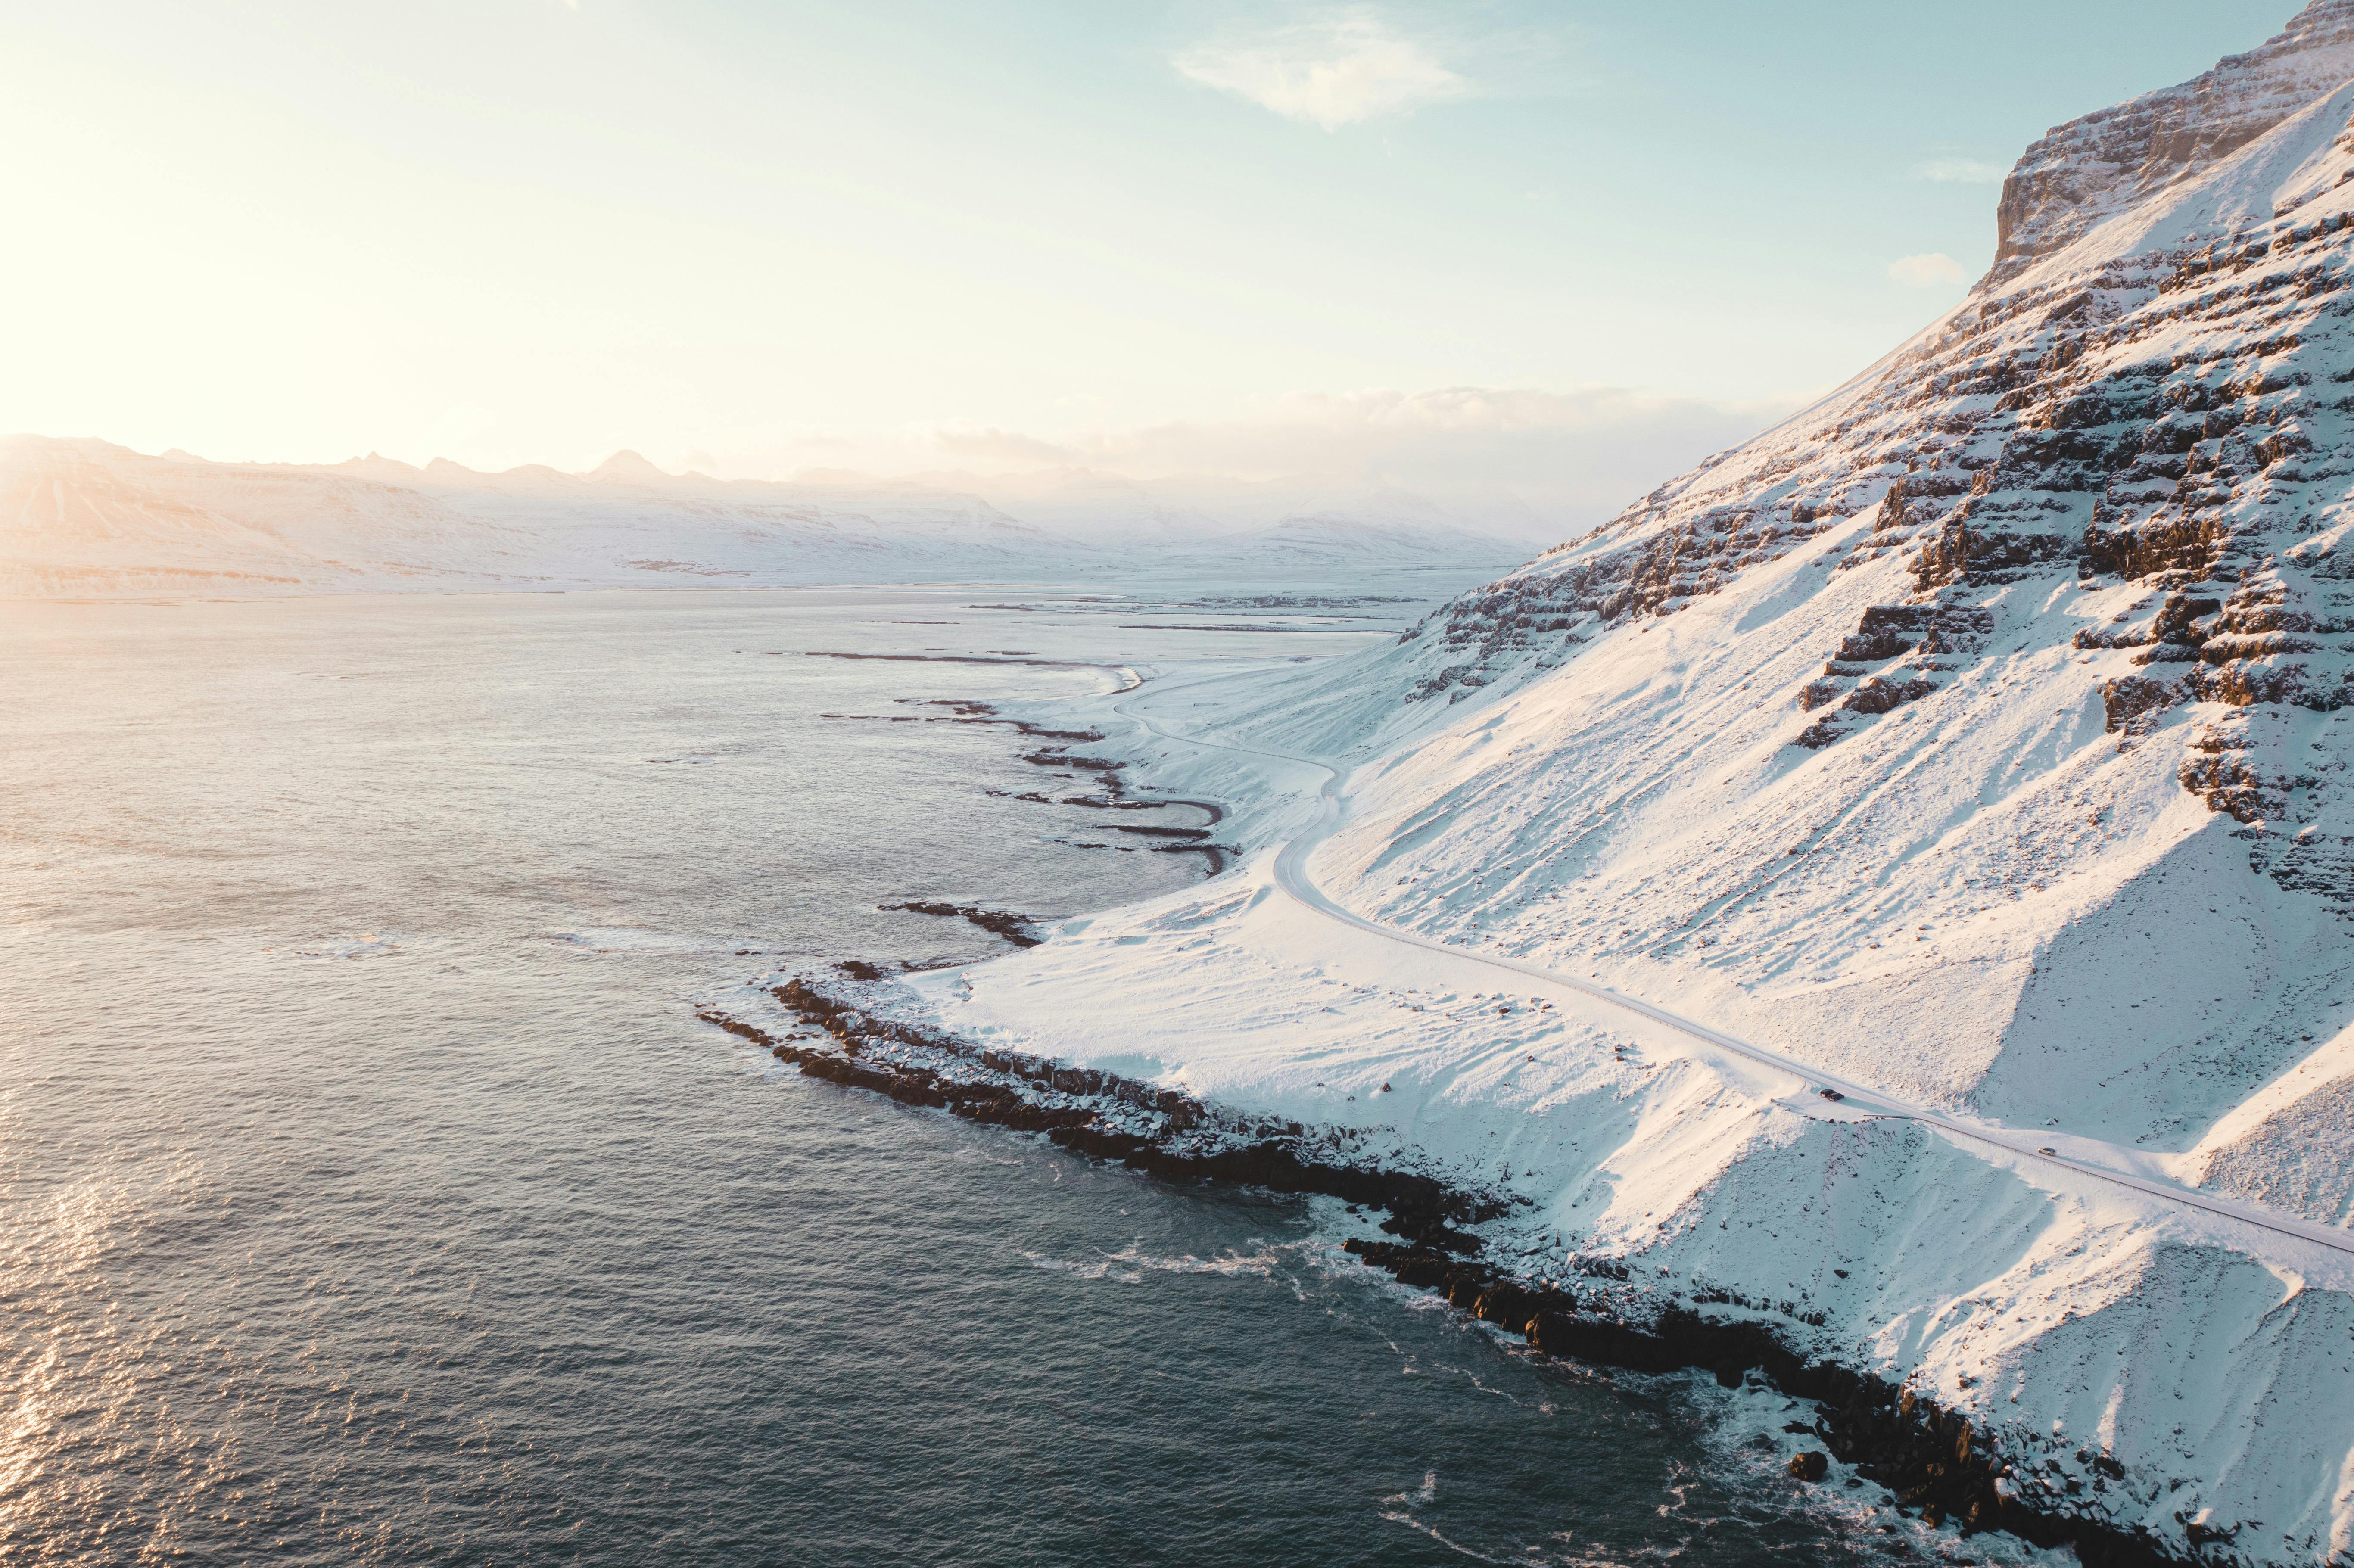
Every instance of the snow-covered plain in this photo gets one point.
(1977, 739)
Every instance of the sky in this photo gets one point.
(1550, 250)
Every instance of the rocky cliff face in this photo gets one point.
(2093, 168)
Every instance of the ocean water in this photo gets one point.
(370, 1193)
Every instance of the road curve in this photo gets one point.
(1332, 808)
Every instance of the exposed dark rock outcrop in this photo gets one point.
(1100, 1113)
(1018, 929)
(2094, 167)
(1930, 1459)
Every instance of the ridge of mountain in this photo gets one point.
(626, 467)
(2096, 166)
(86, 517)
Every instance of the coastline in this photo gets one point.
(1176, 1036)
(1930, 1461)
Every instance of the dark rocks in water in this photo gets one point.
(1215, 854)
(1107, 771)
(993, 1103)
(1096, 802)
(1932, 1459)
(1425, 1210)
(964, 712)
(1483, 1292)
(1115, 797)
(1074, 764)
(1506, 1304)
(1018, 929)
(1419, 1207)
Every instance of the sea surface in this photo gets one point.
(369, 1193)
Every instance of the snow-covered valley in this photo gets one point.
(1973, 745)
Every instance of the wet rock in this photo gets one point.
(1932, 1459)
(1018, 929)
(1424, 1212)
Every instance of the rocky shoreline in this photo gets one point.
(1096, 1114)
(1933, 1462)
(1929, 1459)
(1018, 929)
(1111, 793)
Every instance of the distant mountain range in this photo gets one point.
(86, 517)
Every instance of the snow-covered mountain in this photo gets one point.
(2092, 169)
(84, 517)
(1380, 531)
(1097, 507)
(1980, 735)
(1216, 525)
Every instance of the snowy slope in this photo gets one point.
(1979, 736)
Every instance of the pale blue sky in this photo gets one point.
(913, 234)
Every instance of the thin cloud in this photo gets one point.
(1928, 271)
(1334, 72)
(1961, 172)
(1571, 458)
(988, 443)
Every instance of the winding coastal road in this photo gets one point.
(1333, 810)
